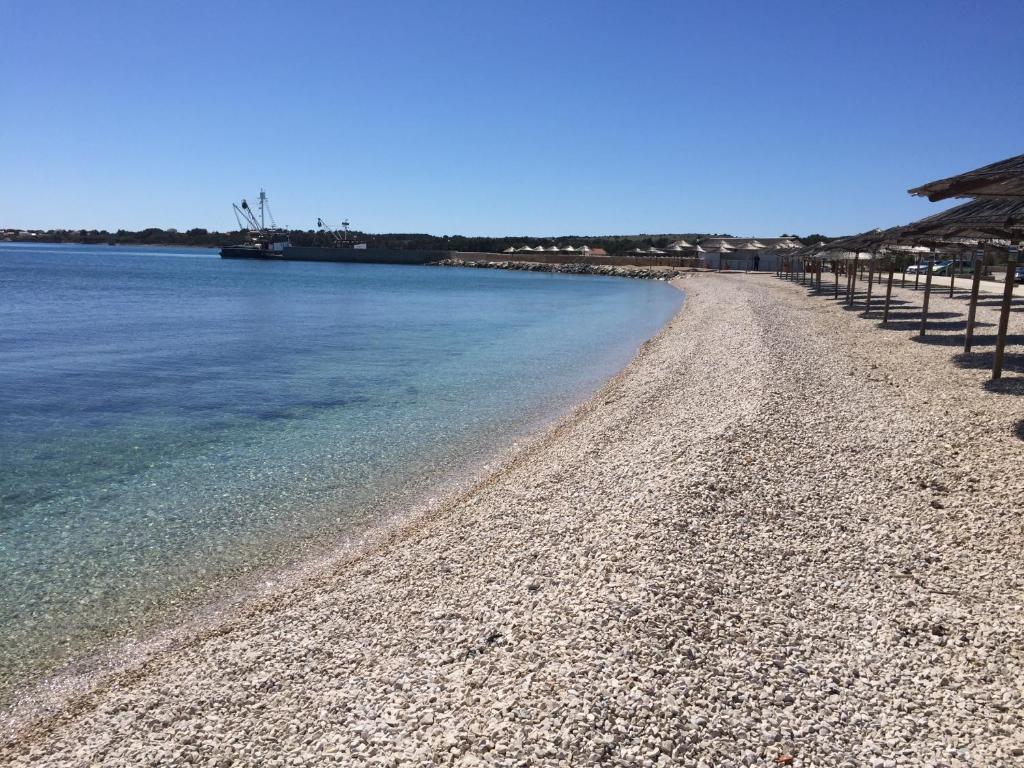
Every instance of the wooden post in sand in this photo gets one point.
(888, 294)
(835, 274)
(849, 283)
(972, 310)
(952, 274)
(853, 286)
(917, 273)
(871, 280)
(927, 295)
(1004, 315)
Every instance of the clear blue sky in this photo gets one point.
(495, 118)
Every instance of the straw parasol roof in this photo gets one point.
(1002, 179)
(680, 245)
(985, 218)
(865, 241)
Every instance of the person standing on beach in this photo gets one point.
(757, 262)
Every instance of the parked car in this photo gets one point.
(1018, 275)
(921, 268)
(944, 267)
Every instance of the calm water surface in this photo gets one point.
(169, 419)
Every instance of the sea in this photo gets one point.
(171, 422)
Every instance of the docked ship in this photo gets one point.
(262, 241)
(265, 240)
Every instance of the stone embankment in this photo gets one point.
(610, 270)
(783, 536)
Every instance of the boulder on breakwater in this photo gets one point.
(610, 270)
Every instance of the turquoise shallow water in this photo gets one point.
(169, 419)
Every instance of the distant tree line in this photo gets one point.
(399, 241)
(150, 236)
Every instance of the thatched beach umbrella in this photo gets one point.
(988, 221)
(992, 216)
(982, 219)
(1002, 179)
(723, 250)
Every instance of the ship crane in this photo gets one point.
(244, 212)
(262, 240)
(338, 237)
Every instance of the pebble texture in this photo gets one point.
(781, 537)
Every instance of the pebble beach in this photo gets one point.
(781, 536)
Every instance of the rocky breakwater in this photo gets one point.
(609, 270)
(760, 545)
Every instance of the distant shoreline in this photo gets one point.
(113, 245)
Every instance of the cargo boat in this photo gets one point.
(262, 242)
(272, 243)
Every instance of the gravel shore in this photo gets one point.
(782, 536)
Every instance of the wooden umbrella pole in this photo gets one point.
(1004, 319)
(903, 278)
(917, 273)
(952, 275)
(888, 295)
(972, 310)
(835, 274)
(927, 295)
(853, 288)
(871, 280)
